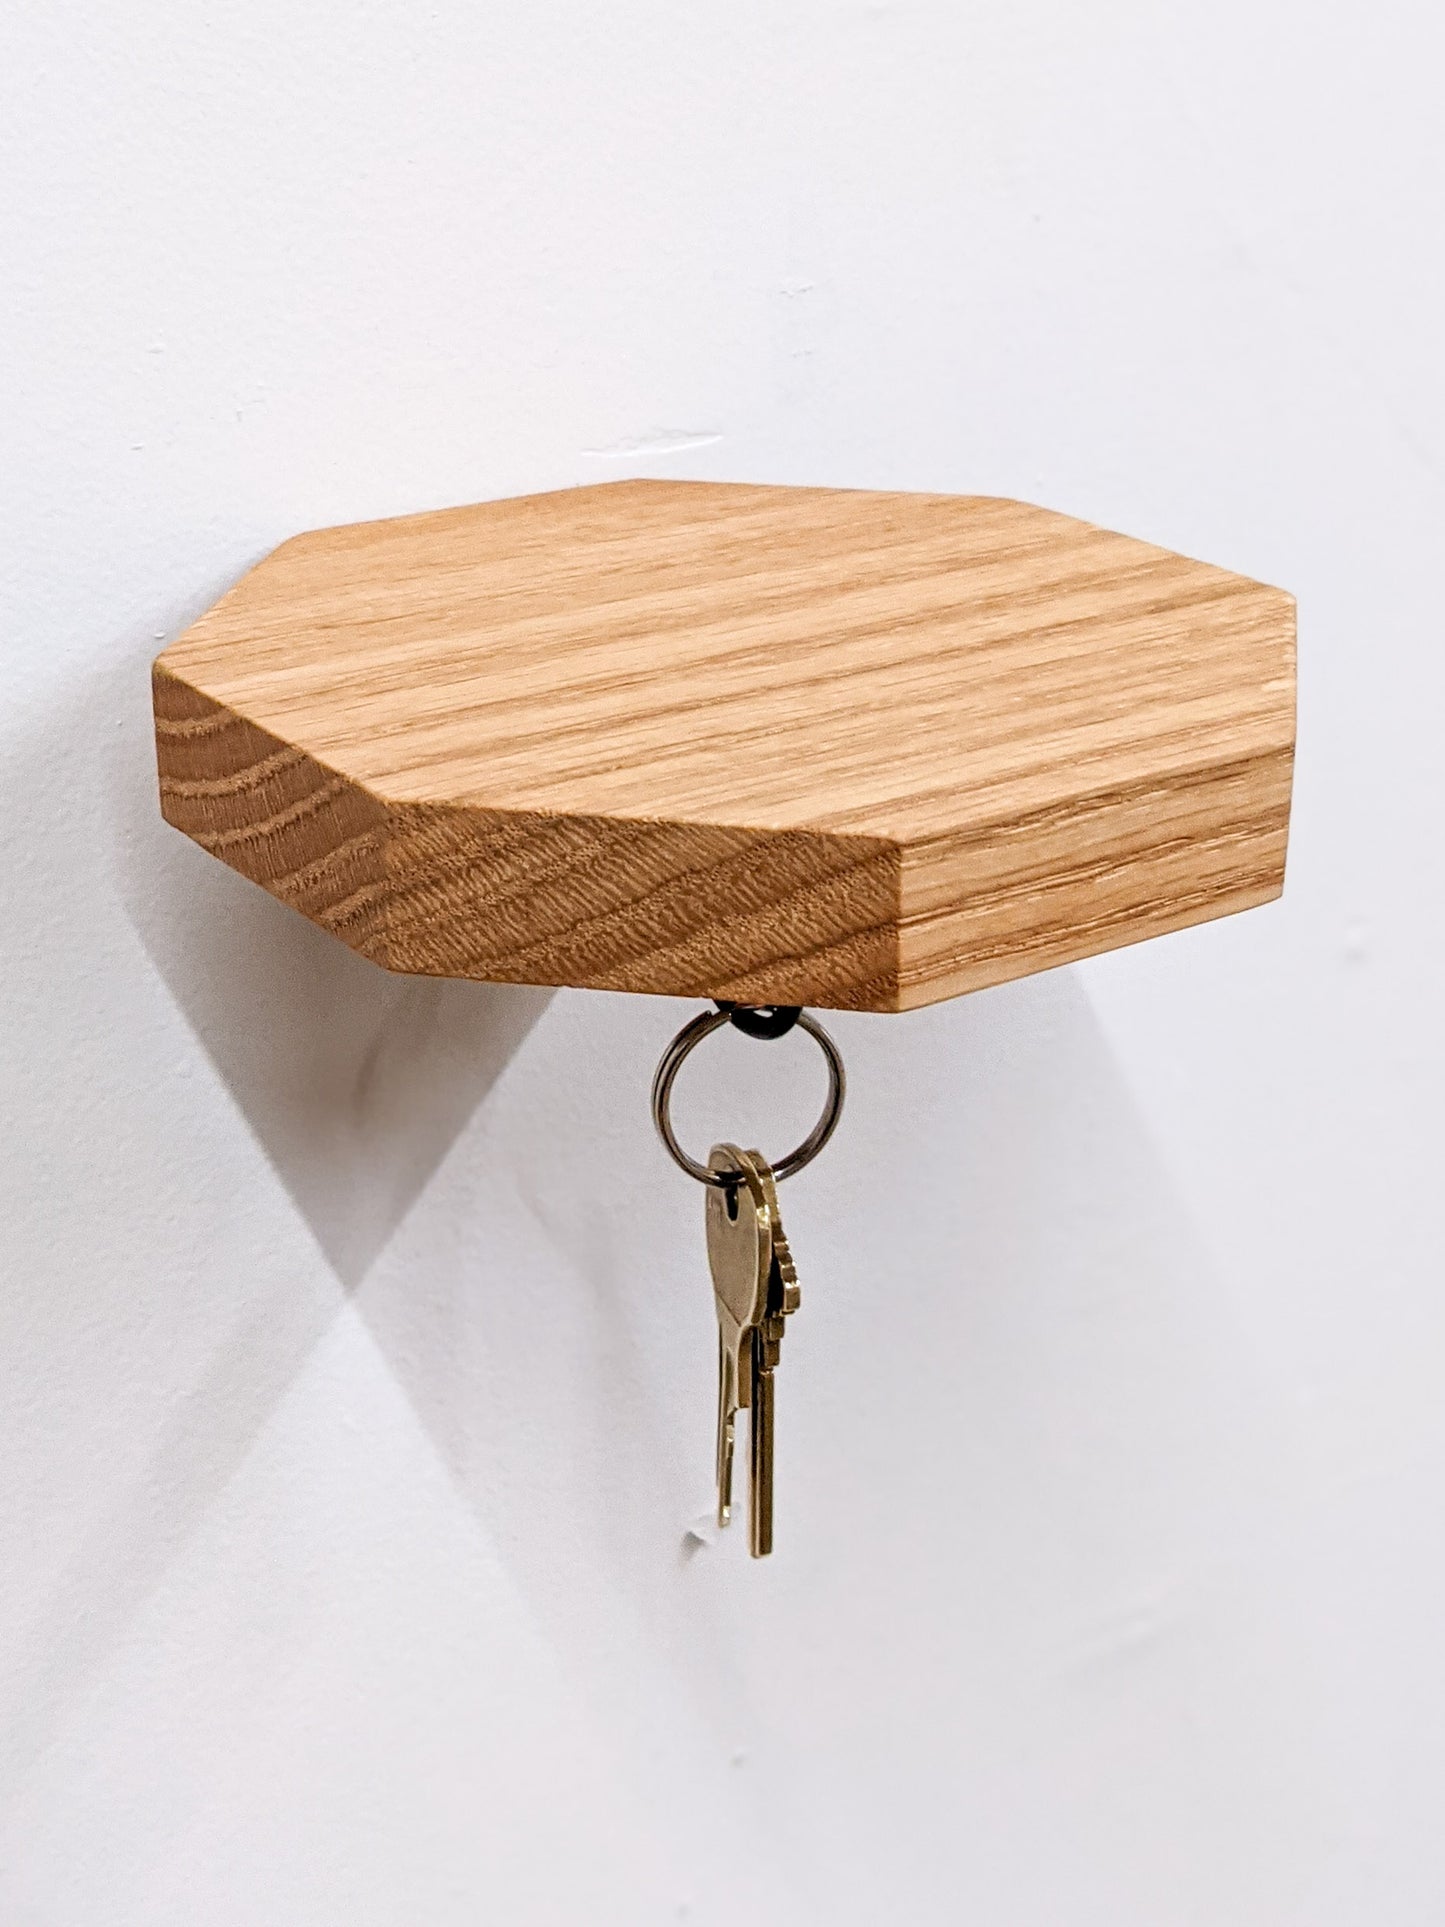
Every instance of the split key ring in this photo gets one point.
(765, 1021)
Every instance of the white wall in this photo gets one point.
(357, 1355)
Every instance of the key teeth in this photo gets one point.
(790, 1292)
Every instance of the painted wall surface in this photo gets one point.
(356, 1362)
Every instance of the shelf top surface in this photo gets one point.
(878, 664)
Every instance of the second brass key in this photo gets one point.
(755, 1288)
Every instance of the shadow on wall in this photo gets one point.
(356, 1081)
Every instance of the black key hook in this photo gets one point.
(761, 1020)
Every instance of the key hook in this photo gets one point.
(765, 1021)
(761, 1020)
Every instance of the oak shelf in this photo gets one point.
(777, 745)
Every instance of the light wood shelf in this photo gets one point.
(779, 745)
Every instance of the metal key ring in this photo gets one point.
(687, 1039)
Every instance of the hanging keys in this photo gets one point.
(755, 1284)
(755, 1288)
(740, 1254)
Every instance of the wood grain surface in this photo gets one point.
(782, 745)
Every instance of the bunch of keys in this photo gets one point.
(754, 1287)
(754, 1281)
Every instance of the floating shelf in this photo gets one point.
(779, 745)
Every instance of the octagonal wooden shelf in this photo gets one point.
(781, 745)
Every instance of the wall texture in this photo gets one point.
(356, 1368)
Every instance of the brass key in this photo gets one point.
(755, 1287)
(740, 1255)
(782, 1299)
